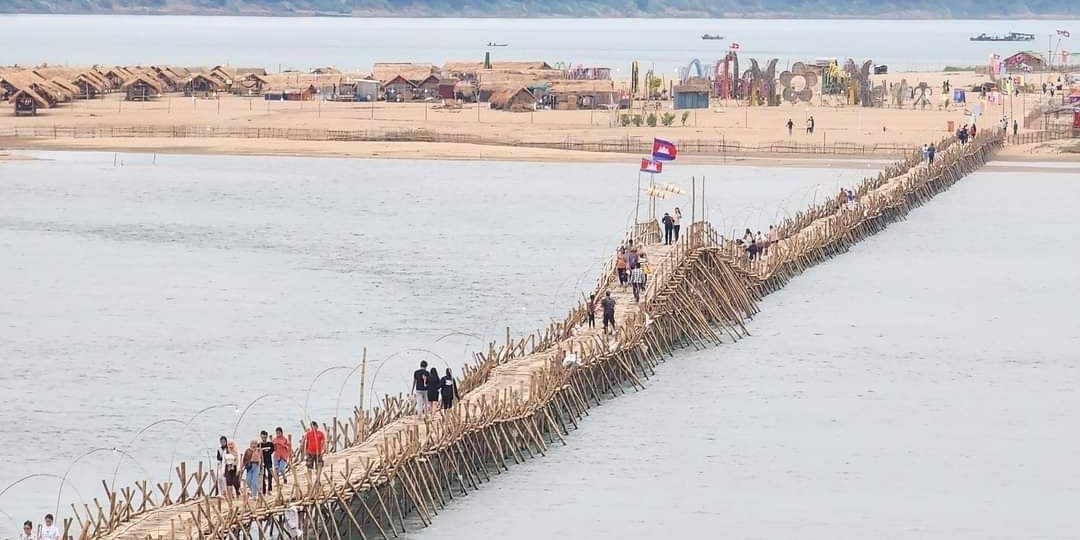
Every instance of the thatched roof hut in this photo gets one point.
(385, 72)
(513, 99)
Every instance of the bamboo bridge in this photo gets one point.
(388, 469)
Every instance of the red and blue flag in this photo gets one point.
(663, 150)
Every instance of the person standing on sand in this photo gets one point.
(790, 127)
(669, 225)
(810, 125)
(266, 448)
(420, 384)
(448, 389)
(314, 446)
(590, 312)
(282, 454)
(637, 281)
(1016, 127)
(676, 218)
(608, 304)
(433, 390)
(620, 266)
(930, 153)
(251, 468)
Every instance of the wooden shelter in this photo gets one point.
(513, 99)
(693, 94)
(581, 94)
(90, 85)
(399, 89)
(200, 85)
(27, 102)
(142, 87)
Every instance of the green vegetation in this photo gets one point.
(667, 119)
(685, 117)
(651, 120)
(561, 8)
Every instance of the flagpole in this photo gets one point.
(637, 207)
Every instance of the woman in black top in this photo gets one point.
(448, 389)
(433, 390)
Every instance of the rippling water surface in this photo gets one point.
(137, 289)
(923, 385)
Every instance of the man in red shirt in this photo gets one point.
(314, 446)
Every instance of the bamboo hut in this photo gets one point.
(513, 99)
(200, 85)
(581, 94)
(142, 87)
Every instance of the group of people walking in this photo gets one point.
(672, 225)
(758, 245)
(632, 266)
(265, 461)
(432, 391)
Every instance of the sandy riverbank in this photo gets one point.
(876, 131)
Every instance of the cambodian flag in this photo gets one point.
(663, 150)
(1064, 33)
(651, 166)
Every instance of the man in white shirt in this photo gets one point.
(49, 531)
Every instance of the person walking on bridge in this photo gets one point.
(49, 530)
(420, 386)
(314, 446)
(282, 454)
(930, 152)
(231, 460)
(433, 390)
(266, 449)
(620, 266)
(637, 281)
(448, 389)
(676, 218)
(590, 312)
(669, 226)
(27, 531)
(608, 305)
(252, 461)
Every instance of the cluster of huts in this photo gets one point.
(511, 86)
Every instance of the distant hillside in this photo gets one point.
(981, 9)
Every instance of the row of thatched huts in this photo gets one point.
(505, 85)
(514, 86)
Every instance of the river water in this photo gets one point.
(357, 43)
(138, 290)
(924, 385)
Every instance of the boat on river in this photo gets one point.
(1011, 36)
(713, 37)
